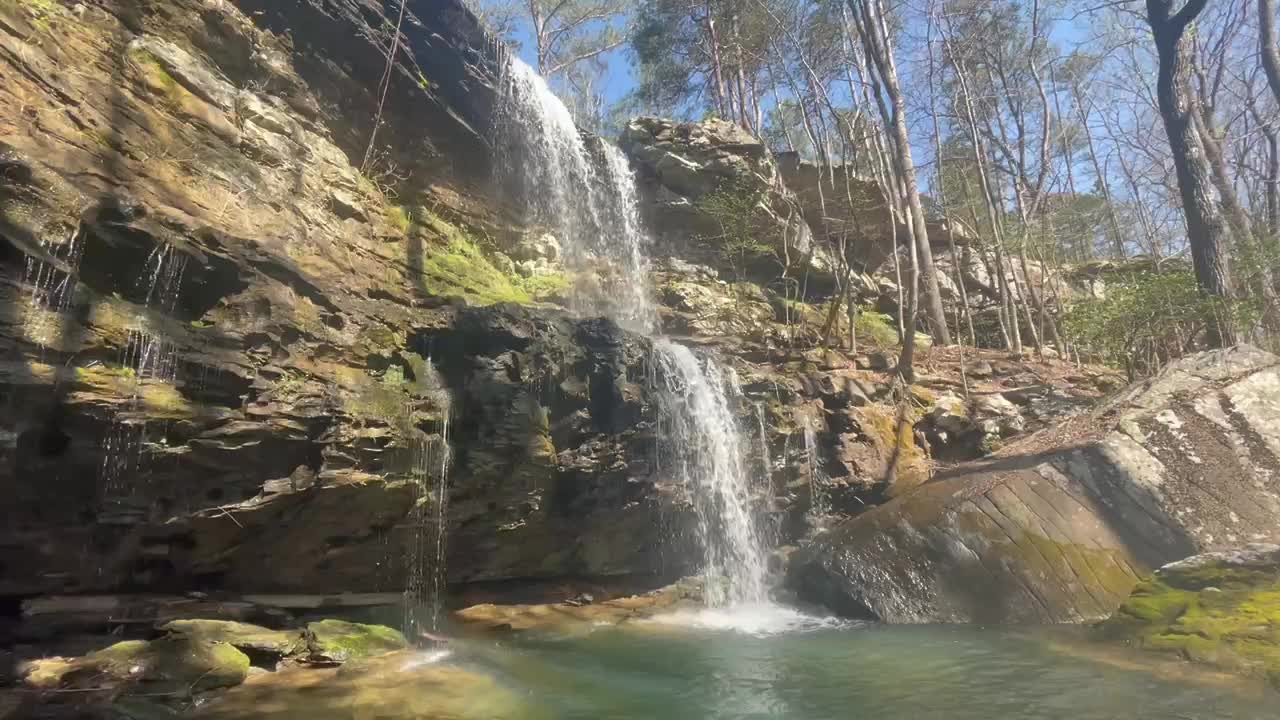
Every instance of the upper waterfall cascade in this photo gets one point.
(583, 190)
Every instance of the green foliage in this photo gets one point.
(1146, 319)
(736, 208)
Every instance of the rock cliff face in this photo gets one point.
(1059, 527)
(218, 316)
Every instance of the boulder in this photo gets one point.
(250, 639)
(1060, 526)
(333, 642)
(849, 210)
(1220, 608)
(175, 664)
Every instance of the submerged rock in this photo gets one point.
(1059, 527)
(575, 614)
(403, 685)
(1219, 608)
(246, 638)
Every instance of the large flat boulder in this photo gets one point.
(1061, 526)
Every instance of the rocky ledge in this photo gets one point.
(1060, 526)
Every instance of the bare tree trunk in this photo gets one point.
(717, 72)
(1117, 236)
(1085, 253)
(1208, 131)
(1008, 301)
(875, 37)
(1207, 233)
(942, 198)
(1270, 51)
(906, 360)
(1273, 180)
(740, 74)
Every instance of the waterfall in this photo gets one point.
(583, 190)
(440, 528)
(147, 355)
(52, 283)
(818, 505)
(580, 189)
(766, 474)
(707, 457)
(425, 575)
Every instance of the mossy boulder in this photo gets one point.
(338, 641)
(250, 639)
(1220, 608)
(175, 664)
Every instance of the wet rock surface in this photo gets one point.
(583, 613)
(218, 317)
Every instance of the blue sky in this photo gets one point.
(619, 79)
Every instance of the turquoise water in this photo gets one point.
(696, 670)
(869, 672)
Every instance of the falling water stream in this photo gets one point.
(52, 283)
(425, 563)
(819, 504)
(584, 190)
(146, 356)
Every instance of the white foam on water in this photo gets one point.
(759, 619)
(425, 658)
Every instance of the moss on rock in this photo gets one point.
(1221, 609)
(457, 266)
(242, 636)
(174, 664)
(338, 641)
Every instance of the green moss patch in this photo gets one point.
(176, 665)
(338, 641)
(242, 636)
(1219, 614)
(456, 265)
(876, 329)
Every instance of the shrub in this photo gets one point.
(1146, 319)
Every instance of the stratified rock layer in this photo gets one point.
(1061, 526)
